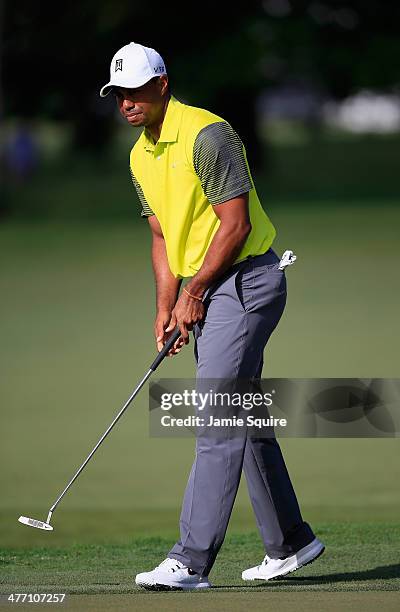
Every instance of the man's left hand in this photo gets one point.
(186, 313)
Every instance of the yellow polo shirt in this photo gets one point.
(199, 162)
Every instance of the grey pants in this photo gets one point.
(242, 310)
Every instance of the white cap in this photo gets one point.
(132, 66)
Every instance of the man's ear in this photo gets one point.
(163, 81)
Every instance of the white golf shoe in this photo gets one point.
(275, 568)
(172, 574)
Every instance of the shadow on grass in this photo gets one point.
(383, 572)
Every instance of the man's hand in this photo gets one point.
(160, 325)
(163, 328)
(186, 313)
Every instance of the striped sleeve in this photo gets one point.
(146, 210)
(219, 162)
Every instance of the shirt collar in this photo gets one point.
(170, 126)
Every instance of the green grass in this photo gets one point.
(358, 557)
(320, 167)
(235, 601)
(75, 327)
(76, 335)
(333, 167)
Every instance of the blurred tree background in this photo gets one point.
(270, 67)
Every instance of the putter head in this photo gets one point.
(35, 523)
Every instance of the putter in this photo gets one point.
(164, 351)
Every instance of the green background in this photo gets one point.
(77, 313)
(77, 309)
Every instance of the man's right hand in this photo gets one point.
(162, 321)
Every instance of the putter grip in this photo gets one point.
(164, 351)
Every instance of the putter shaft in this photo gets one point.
(165, 350)
(103, 437)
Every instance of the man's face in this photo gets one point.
(142, 106)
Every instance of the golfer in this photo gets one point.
(191, 174)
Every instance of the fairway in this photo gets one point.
(358, 557)
(76, 329)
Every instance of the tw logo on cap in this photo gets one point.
(118, 65)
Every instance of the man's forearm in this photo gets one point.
(167, 286)
(222, 252)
